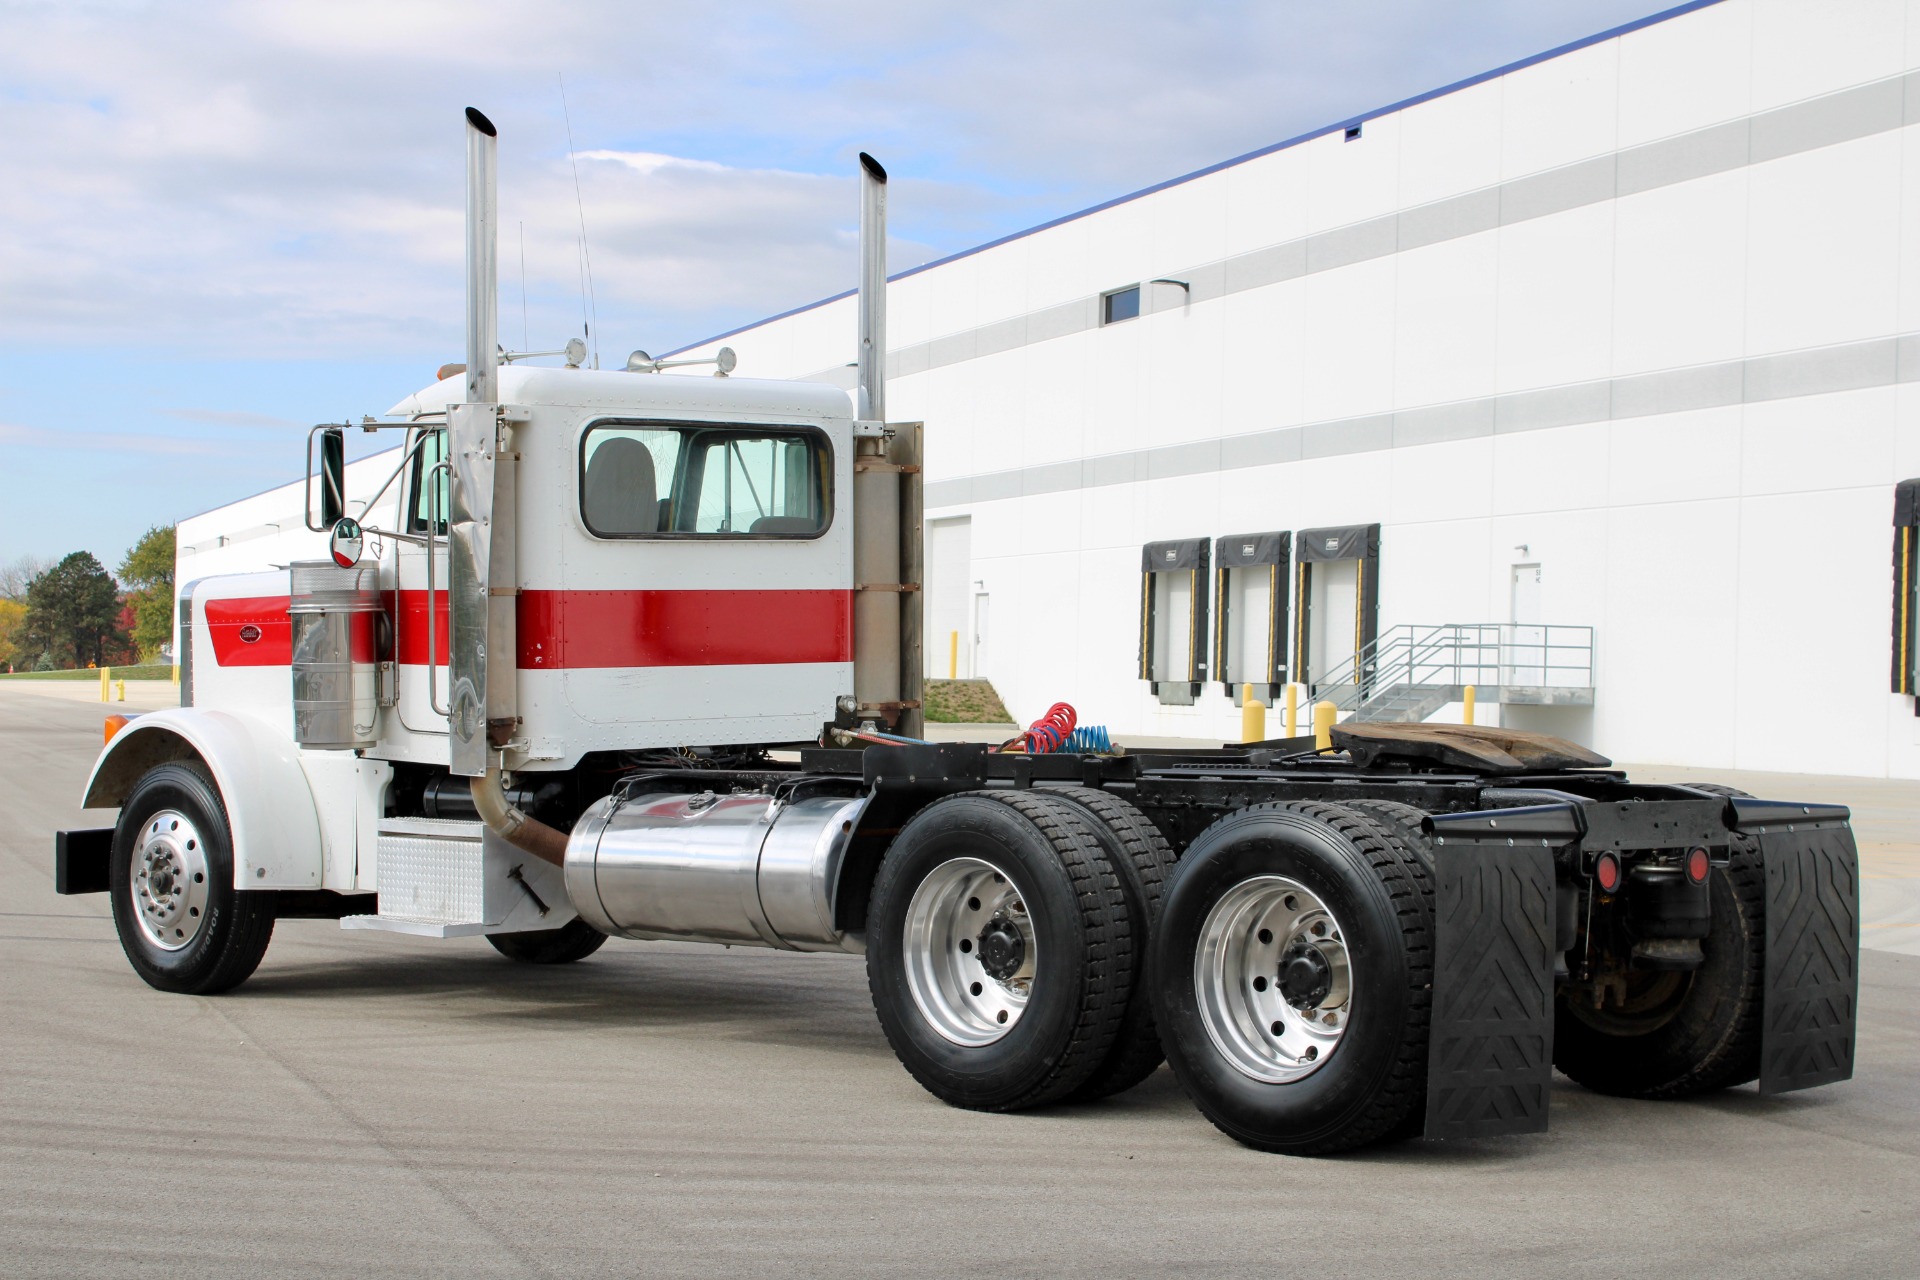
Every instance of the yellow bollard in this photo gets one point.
(1324, 714)
(176, 673)
(1467, 715)
(1253, 716)
(106, 683)
(1293, 710)
(953, 655)
(119, 690)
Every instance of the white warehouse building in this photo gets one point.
(1622, 338)
(1589, 382)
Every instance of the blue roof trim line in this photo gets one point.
(1338, 127)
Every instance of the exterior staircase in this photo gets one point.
(1413, 670)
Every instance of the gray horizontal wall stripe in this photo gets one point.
(1826, 121)
(1876, 362)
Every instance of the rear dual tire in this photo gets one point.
(1292, 977)
(1000, 949)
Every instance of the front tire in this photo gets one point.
(1292, 977)
(183, 925)
(999, 950)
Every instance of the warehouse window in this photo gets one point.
(1121, 304)
(659, 480)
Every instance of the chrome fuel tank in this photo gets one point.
(746, 870)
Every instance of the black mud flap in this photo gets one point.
(1490, 1052)
(80, 860)
(1812, 988)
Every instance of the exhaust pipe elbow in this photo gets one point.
(522, 832)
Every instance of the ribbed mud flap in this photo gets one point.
(1490, 1055)
(1813, 942)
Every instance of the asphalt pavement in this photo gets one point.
(371, 1104)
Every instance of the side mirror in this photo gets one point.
(333, 479)
(346, 542)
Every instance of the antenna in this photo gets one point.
(586, 255)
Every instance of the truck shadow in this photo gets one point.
(802, 1001)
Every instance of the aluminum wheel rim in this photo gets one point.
(170, 881)
(958, 952)
(1256, 927)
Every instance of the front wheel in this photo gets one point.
(1292, 977)
(183, 925)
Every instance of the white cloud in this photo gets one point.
(275, 180)
(94, 442)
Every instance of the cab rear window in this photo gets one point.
(667, 480)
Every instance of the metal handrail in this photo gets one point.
(1448, 654)
(433, 641)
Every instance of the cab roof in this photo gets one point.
(617, 391)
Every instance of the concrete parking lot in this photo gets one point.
(370, 1104)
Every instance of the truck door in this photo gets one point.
(417, 632)
(707, 597)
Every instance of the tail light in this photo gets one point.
(1606, 871)
(1698, 864)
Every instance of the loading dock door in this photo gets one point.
(1174, 586)
(1336, 608)
(1250, 602)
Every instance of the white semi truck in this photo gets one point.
(638, 655)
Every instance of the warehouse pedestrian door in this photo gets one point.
(1336, 607)
(950, 644)
(1527, 647)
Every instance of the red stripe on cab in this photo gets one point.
(583, 629)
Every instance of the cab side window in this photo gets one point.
(642, 480)
(429, 487)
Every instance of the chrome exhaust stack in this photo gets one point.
(482, 703)
(886, 502)
(483, 260)
(872, 401)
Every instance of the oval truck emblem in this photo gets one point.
(249, 633)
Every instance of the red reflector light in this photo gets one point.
(1698, 865)
(1606, 871)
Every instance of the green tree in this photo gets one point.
(148, 570)
(72, 610)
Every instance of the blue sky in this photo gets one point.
(221, 222)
